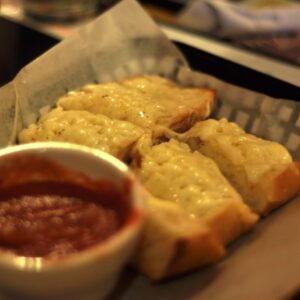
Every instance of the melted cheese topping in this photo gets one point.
(170, 171)
(145, 101)
(230, 146)
(170, 216)
(81, 127)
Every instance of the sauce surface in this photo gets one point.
(43, 217)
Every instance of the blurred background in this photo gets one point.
(263, 35)
(268, 27)
(271, 27)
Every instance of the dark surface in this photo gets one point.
(19, 45)
(283, 47)
(239, 75)
(172, 5)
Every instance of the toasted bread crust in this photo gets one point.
(232, 221)
(183, 122)
(194, 252)
(281, 187)
(178, 255)
(172, 243)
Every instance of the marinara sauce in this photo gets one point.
(49, 211)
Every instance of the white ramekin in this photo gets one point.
(89, 274)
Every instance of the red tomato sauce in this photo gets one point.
(48, 211)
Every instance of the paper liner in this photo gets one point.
(123, 42)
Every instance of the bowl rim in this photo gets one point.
(87, 256)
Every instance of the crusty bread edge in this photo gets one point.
(232, 221)
(188, 253)
(194, 252)
(165, 250)
(185, 121)
(282, 187)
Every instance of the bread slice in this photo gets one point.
(172, 172)
(262, 171)
(150, 102)
(173, 243)
(81, 127)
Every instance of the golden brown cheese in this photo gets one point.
(84, 128)
(170, 171)
(245, 159)
(241, 150)
(147, 101)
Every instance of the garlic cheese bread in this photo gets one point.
(150, 102)
(196, 175)
(173, 243)
(172, 172)
(81, 127)
(262, 171)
